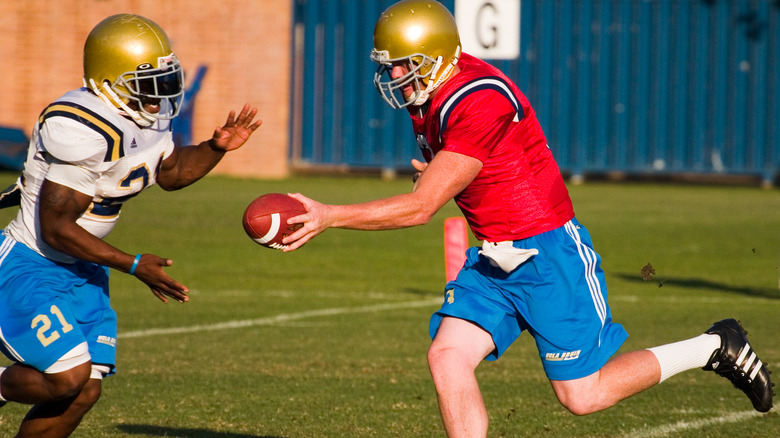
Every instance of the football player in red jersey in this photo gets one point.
(537, 270)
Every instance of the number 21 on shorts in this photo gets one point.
(43, 324)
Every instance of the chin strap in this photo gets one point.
(434, 81)
(114, 101)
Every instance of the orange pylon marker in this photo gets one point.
(456, 242)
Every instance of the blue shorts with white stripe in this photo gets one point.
(559, 296)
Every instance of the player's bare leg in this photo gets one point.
(60, 418)
(458, 348)
(724, 348)
(23, 384)
(60, 399)
(620, 378)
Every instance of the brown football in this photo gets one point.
(265, 219)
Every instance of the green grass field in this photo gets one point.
(330, 340)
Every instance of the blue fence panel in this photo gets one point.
(13, 148)
(636, 86)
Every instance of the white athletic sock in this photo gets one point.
(685, 355)
(2, 399)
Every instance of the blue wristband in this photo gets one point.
(134, 265)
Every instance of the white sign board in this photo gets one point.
(489, 29)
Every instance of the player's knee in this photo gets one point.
(437, 364)
(579, 399)
(444, 361)
(90, 394)
(438, 356)
(68, 383)
(578, 406)
(436, 359)
(580, 403)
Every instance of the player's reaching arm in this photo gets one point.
(446, 176)
(61, 206)
(190, 163)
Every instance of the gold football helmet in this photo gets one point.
(128, 58)
(420, 35)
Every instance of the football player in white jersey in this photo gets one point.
(90, 151)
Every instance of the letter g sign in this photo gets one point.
(489, 29)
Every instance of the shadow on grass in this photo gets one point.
(182, 432)
(698, 283)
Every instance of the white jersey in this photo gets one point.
(81, 142)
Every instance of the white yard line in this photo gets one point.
(688, 426)
(277, 319)
(653, 432)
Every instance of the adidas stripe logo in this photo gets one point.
(747, 358)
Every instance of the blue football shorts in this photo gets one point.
(559, 296)
(49, 308)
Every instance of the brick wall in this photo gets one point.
(244, 44)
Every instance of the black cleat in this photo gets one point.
(737, 361)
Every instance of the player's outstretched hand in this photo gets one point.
(150, 271)
(315, 221)
(236, 130)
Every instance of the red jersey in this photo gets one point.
(519, 192)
